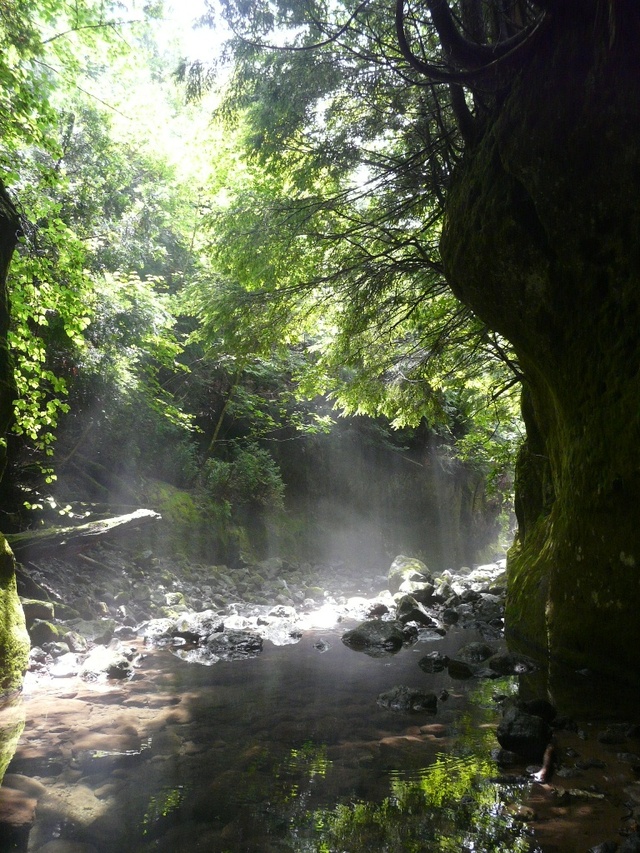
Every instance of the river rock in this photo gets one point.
(410, 610)
(35, 609)
(234, 645)
(489, 608)
(461, 669)
(158, 631)
(510, 663)
(94, 630)
(42, 631)
(194, 627)
(110, 662)
(540, 708)
(526, 734)
(66, 666)
(375, 634)
(17, 813)
(475, 652)
(408, 700)
(406, 574)
(433, 662)
(631, 844)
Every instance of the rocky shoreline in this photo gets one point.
(95, 625)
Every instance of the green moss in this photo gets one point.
(14, 640)
(12, 722)
(539, 243)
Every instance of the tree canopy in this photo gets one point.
(481, 149)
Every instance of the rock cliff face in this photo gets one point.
(541, 241)
(14, 641)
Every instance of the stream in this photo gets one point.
(290, 751)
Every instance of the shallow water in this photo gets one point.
(287, 751)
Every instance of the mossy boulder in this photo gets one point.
(14, 640)
(42, 631)
(407, 574)
(34, 609)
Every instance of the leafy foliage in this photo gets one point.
(251, 478)
(324, 226)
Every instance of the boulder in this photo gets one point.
(107, 662)
(526, 734)
(194, 627)
(407, 574)
(234, 645)
(510, 663)
(34, 609)
(42, 631)
(489, 608)
(540, 708)
(375, 634)
(94, 630)
(157, 630)
(408, 700)
(410, 610)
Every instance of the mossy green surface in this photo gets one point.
(12, 722)
(14, 640)
(541, 242)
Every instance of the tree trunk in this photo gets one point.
(542, 241)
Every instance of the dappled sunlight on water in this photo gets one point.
(286, 751)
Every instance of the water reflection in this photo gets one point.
(288, 751)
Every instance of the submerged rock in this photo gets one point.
(408, 700)
(461, 669)
(433, 662)
(475, 652)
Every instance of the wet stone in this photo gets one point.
(509, 663)
(410, 610)
(433, 662)
(461, 669)
(408, 700)
(475, 652)
(375, 634)
(526, 734)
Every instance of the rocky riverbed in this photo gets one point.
(101, 719)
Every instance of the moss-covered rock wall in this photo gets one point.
(14, 640)
(541, 240)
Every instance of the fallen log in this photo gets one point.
(57, 537)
